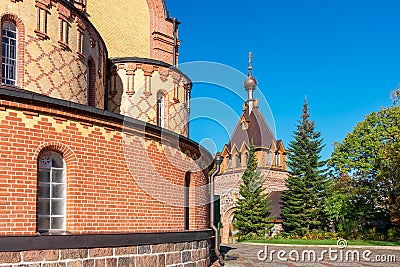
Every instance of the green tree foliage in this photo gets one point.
(303, 209)
(253, 207)
(369, 158)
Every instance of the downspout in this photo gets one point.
(218, 161)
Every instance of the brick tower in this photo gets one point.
(271, 154)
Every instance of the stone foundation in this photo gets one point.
(187, 254)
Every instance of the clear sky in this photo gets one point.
(344, 55)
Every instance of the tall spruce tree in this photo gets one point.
(253, 207)
(303, 208)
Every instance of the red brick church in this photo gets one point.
(96, 165)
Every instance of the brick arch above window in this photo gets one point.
(65, 152)
(9, 17)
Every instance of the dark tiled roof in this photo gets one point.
(277, 204)
(258, 131)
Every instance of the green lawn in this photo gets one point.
(324, 242)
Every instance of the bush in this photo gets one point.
(393, 234)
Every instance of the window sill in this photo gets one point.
(64, 45)
(41, 35)
(55, 233)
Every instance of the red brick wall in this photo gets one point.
(106, 191)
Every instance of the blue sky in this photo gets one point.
(343, 55)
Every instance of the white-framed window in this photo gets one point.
(278, 159)
(238, 160)
(160, 109)
(51, 192)
(229, 162)
(269, 158)
(9, 54)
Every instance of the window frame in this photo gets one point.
(278, 159)
(6, 59)
(161, 109)
(52, 185)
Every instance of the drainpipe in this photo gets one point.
(218, 161)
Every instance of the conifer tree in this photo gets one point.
(303, 208)
(253, 207)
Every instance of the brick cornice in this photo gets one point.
(13, 97)
(144, 63)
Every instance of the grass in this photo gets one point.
(324, 242)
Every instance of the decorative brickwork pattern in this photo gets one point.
(105, 173)
(133, 92)
(46, 67)
(54, 73)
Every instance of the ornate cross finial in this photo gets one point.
(250, 62)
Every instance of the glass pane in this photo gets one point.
(12, 35)
(57, 207)
(44, 191)
(44, 175)
(57, 223)
(58, 191)
(57, 160)
(12, 51)
(44, 223)
(44, 206)
(58, 176)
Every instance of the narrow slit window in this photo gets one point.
(187, 201)
(160, 109)
(91, 80)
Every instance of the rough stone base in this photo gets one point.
(188, 254)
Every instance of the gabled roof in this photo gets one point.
(257, 132)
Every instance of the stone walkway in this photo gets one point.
(249, 255)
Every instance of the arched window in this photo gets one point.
(186, 201)
(278, 159)
(160, 109)
(51, 192)
(238, 160)
(91, 79)
(9, 53)
(247, 158)
(229, 162)
(269, 158)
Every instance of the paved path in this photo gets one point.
(245, 255)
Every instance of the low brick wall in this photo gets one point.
(187, 254)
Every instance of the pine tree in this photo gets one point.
(303, 210)
(253, 207)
